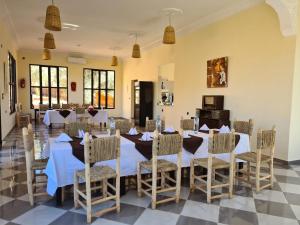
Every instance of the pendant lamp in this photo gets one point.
(169, 34)
(114, 61)
(49, 42)
(136, 51)
(46, 54)
(52, 21)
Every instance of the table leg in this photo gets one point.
(59, 196)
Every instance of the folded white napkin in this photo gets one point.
(186, 134)
(63, 137)
(224, 130)
(169, 130)
(80, 133)
(204, 127)
(133, 131)
(82, 141)
(146, 136)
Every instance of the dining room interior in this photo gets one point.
(149, 112)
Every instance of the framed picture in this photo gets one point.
(5, 79)
(217, 73)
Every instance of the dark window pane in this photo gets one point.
(35, 96)
(63, 80)
(103, 80)
(96, 79)
(103, 98)
(87, 78)
(45, 77)
(35, 75)
(111, 80)
(110, 99)
(53, 77)
(63, 96)
(54, 97)
(87, 97)
(45, 96)
(96, 98)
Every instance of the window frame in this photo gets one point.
(12, 70)
(49, 87)
(106, 89)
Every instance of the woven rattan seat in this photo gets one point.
(216, 163)
(98, 173)
(252, 157)
(162, 165)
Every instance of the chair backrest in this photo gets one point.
(55, 106)
(74, 105)
(221, 143)
(167, 144)
(65, 106)
(80, 110)
(245, 127)
(72, 128)
(151, 125)
(187, 124)
(86, 106)
(266, 139)
(123, 125)
(101, 149)
(43, 107)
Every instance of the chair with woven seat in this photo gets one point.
(187, 124)
(159, 168)
(72, 128)
(123, 125)
(97, 150)
(217, 144)
(151, 125)
(55, 106)
(32, 166)
(81, 114)
(66, 106)
(42, 111)
(244, 127)
(264, 154)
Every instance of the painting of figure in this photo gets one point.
(217, 73)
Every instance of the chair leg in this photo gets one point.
(139, 182)
(88, 205)
(178, 184)
(257, 177)
(192, 180)
(231, 178)
(271, 173)
(30, 192)
(104, 188)
(208, 188)
(76, 195)
(248, 171)
(163, 179)
(154, 188)
(118, 194)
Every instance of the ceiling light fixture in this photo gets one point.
(136, 51)
(114, 59)
(52, 21)
(169, 33)
(46, 54)
(49, 42)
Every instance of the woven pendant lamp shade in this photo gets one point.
(136, 52)
(114, 61)
(46, 54)
(49, 42)
(169, 35)
(52, 21)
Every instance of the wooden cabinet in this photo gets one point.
(143, 102)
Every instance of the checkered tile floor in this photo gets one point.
(277, 207)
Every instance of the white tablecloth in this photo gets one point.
(53, 116)
(62, 164)
(100, 117)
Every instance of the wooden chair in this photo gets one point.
(32, 166)
(264, 154)
(244, 127)
(55, 106)
(42, 111)
(151, 125)
(74, 105)
(100, 149)
(217, 144)
(162, 145)
(86, 106)
(22, 119)
(72, 128)
(187, 124)
(81, 114)
(123, 125)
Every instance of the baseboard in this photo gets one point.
(281, 161)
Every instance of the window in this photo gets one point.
(12, 83)
(48, 85)
(99, 88)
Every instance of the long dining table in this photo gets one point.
(63, 163)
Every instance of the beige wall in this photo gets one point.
(75, 74)
(261, 66)
(8, 45)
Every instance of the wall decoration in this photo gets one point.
(73, 86)
(217, 73)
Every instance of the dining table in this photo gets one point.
(64, 161)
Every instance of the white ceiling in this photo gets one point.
(107, 23)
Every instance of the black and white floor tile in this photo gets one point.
(278, 206)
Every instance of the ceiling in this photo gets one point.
(107, 23)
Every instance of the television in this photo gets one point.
(213, 102)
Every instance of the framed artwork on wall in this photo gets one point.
(217, 73)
